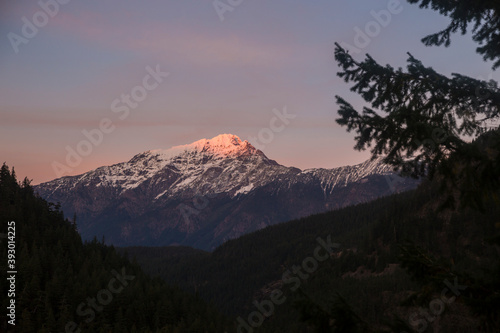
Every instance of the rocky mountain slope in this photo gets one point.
(207, 192)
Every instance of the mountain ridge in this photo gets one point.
(221, 186)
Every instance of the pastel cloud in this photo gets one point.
(169, 41)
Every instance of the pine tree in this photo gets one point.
(418, 118)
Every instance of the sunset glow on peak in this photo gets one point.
(222, 145)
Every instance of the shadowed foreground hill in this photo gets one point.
(64, 285)
(380, 278)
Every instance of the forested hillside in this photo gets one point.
(64, 285)
(395, 257)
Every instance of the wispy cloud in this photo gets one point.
(169, 41)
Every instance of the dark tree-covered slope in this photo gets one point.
(64, 285)
(373, 270)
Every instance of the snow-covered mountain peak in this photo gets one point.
(225, 140)
(223, 145)
(207, 192)
(223, 164)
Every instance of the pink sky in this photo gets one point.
(224, 76)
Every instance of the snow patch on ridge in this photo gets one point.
(244, 189)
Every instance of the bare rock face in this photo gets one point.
(207, 192)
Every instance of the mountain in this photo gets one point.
(207, 192)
